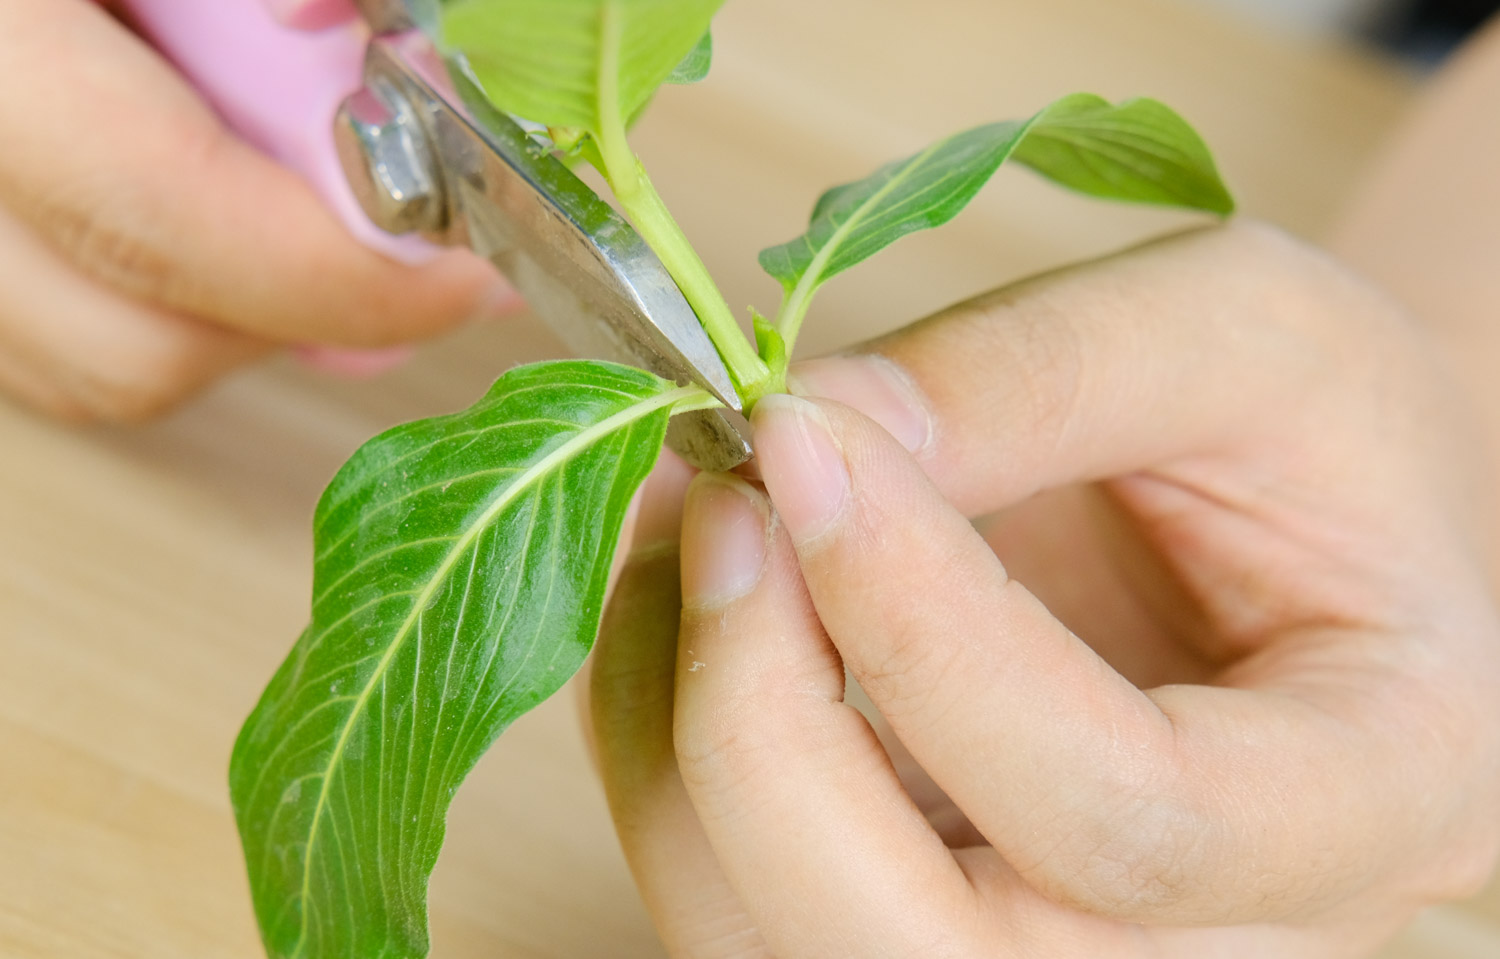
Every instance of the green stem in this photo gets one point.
(627, 178)
(698, 399)
(619, 163)
(655, 223)
(793, 311)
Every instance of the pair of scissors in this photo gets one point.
(401, 142)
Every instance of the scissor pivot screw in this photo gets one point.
(388, 161)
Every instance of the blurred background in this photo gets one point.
(1422, 30)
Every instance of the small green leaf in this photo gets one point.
(575, 63)
(1140, 150)
(695, 66)
(459, 574)
(567, 140)
(857, 220)
(769, 342)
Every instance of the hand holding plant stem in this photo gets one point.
(1188, 694)
(461, 561)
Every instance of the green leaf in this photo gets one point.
(695, 66)
(857, 220)
(575, 63)
(1140, 150)
(459, 574)
(693, 69)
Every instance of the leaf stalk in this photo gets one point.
(659, 229)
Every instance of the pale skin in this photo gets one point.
(1425, 226)
(147, 251)
(1214, 677)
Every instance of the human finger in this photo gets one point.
(691, 903)
(798, 800)
(79, 351)
(1312, 401)
(1089, 367)
(1191, 804)
(159, 201)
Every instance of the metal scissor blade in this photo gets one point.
(395, 16)
(587, 272)
(579, 264)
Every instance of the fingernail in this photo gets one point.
(723, 540)
(354, 364)
(876, 387)
(498, 301)
(801, 463)
(311, 14)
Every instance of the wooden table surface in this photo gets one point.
(151, 579)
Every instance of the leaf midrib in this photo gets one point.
(543, 467)
(809, 282)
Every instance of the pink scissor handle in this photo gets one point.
(278, 87)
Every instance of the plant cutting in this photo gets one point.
(461, 562)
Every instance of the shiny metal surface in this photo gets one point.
(388, 161)
(579, 264)
(386, 16)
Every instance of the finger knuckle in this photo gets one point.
(723, 748)
(1145, 864)
(734, 741)
(1335, 310)
(57, 404)
(143, 388)
(720, 930)
(1138, 864)
(909, 673)
(1044, 354)
(117, 253)
(911, 661)
(118, 231)
(125, 402)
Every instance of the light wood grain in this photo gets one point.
(150, 580)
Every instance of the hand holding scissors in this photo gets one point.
(178, 237)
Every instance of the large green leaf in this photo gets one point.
(576, 63)
(1138, 151)
(459, 574)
